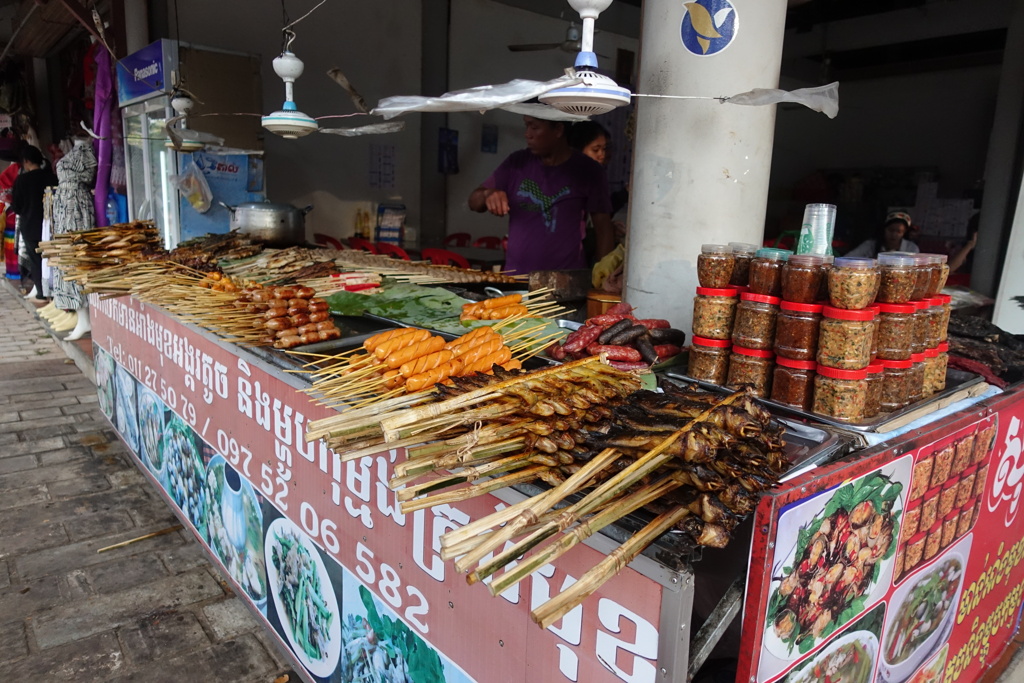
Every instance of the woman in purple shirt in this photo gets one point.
(547, 190)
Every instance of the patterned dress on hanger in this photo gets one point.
(73, 210)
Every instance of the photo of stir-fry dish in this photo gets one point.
(151, 424)
(184, 472)
(850, 659)
(235, 528)
(304, 598)
(923, 610)
(837, 560)
(933, 672)
(104, 364)
(127, 412)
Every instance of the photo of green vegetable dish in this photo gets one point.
(849, 663)
(301, 597)
(922, 611)
(836, 562)
(242, 554)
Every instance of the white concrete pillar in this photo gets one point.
(700, 167)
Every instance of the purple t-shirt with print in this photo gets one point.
(547, 208)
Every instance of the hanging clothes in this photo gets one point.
(72, 210)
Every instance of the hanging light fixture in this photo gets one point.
(289, 122)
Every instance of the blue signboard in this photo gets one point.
(147, 72)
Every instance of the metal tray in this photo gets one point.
(956, 381)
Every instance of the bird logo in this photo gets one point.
(709, 26)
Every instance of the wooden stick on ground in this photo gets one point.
(122, 544)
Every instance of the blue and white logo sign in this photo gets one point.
(709, 26)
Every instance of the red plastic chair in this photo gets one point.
(328, 241)
(360, 243)
(488, 242)
(393, 250)
(443, 257)
(458, 239)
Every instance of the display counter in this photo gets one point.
(350, 585)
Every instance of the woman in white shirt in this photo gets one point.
(891, 237)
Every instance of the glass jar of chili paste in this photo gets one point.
(937, 272)
(853, 283)
(945, 300)
(933, 323)
(744, 254)
(898, 277)
(895, 384)
(714, 265)
(840, 394)
(917, 377)
(801, 278)
(709, 360)
(845, 338)
(919, 339)
(754, 327)
(923, 267)
(793, 382)
(895, 328)
(713, 312)
(753, 368)
(766, 271)
(796, 330)
(873, 402)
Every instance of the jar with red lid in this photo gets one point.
(801, 278)
(873, 400)
(895, 384)
(916, 377)
(796, 330)
(922, 475)
(793, 382)
(709, 360)
(713, 312)
(827, 262)
(919, 338)
(844, 340)
(933, 544)
(875, 310)
(963, 524)
(714, 265)
(743, 253)
(965, 489)
(938, 271)
(930, 507)
(766, 271)
(944, 300)
(915, 551)
(931, 368)
(895, 327)
(949, 523)
(840, 394)
(923, 267)
(898, 277)
(853, 282)
(939, 371)
(751, 367)
(933, 323)
(754, 327)
(911, 519)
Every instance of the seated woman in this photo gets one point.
(890, 237)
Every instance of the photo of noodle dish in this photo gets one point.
(127, 412)
(235, 528)
(151, 424)
(840, 562)
(921, 616)
(303, 597)
(184, 472)
(104, 364)
(849, 659)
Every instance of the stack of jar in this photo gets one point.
(758, 322)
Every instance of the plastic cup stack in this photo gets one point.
(817, 229)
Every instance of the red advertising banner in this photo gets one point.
(902, 565)
(320, 548)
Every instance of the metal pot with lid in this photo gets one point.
(279, 225)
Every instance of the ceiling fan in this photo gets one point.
(572, 43)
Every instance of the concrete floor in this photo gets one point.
(155, 610)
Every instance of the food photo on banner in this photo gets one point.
(848, 657)
(834, 559)
(935, 537)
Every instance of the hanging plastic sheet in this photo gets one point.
(480, 98)
(824, 98)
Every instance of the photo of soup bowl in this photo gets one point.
(920, 617)
(850, 658)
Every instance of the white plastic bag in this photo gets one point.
(824, 98)
(193, 187)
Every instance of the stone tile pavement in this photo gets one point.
(152, 611)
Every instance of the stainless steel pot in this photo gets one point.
(279, 225)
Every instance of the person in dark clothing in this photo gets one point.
(27, 202)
